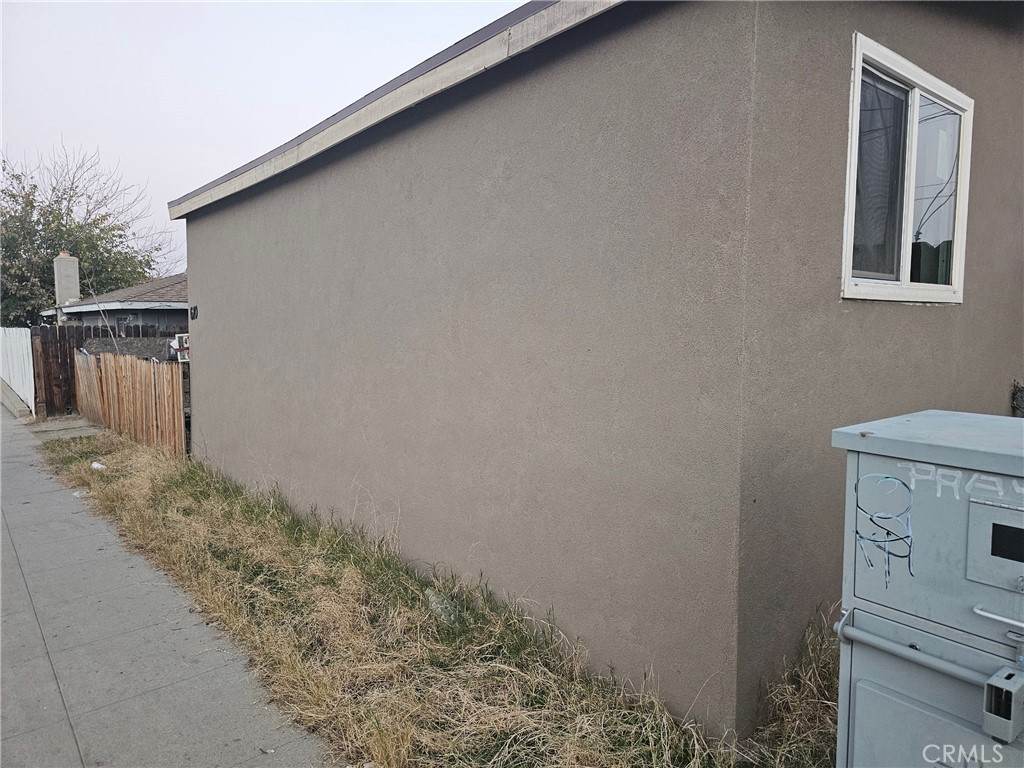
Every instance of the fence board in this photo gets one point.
(39, 373)
(70, 337)
(87, 385)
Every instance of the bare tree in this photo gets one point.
(71, 201)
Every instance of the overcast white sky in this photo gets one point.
(180, 93)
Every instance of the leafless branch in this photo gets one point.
(88, 192)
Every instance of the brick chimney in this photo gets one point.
(65, 282)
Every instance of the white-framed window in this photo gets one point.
(909, 163)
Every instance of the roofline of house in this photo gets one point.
(106, 306)
(512, 34)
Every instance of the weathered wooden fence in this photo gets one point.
(137, 398)
(16, 364)
(53, 361)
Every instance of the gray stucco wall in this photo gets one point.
(508, 312)
(576, 325)
(813, 361)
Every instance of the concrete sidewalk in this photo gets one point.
(102, 662)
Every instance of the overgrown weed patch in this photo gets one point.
(403, 668)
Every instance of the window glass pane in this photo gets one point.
(881, 158)
(938, 155)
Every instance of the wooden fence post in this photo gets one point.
(39, 372)
(73, 337)
(54, 398)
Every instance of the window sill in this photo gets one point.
(912, 294)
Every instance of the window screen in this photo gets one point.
(881, 157)
(938, 145)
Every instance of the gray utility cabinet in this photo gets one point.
(932, 630)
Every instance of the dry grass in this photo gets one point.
(801, 710)
(399, 668)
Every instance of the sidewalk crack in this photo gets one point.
(49, 660)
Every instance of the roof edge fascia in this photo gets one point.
(506, 43)
(104, 306)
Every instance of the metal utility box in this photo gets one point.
(932, 631)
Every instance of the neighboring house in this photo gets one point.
(162, 302)
(577, 302)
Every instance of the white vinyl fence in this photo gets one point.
(16, 363)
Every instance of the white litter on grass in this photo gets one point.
(80, 494)
(441, 606)
(98, 467)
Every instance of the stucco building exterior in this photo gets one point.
(573, 303)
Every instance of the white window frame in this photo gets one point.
(868, 52)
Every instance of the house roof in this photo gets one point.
(161, 293)
(512, 34)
